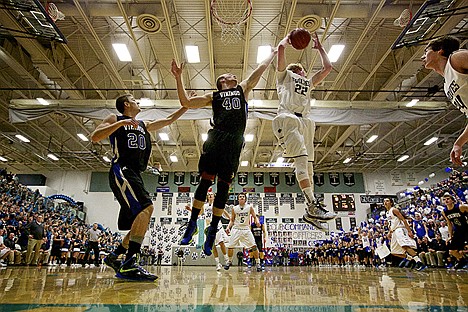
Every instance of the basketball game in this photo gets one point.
(233, 155)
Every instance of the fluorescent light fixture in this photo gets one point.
(52, 156)
(372, 138)
(164, 136)
(335, 52)
(431, 140)
(412, 103)
(83, 137)
(279, 160)
(122, 52)
(192, 53)
(145, 102)
(22, 138)
(249, 138)
(173, 158)
(204, 136)
(347, 160)
(106, 159)
(3, 158)
(262, 53)
(244, 163)
(403, 158)
(42, 101)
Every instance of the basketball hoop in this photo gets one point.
(230, 15)
(54, 13)
(404, 19)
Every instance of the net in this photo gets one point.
(404, 19)
(230, 15)
(54, 13)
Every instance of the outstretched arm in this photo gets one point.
(251, 81)
(455, 154)
(281, 60)
(327, 66)
(161, 123)
(189, 102)
(109, 125)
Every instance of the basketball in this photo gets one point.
(299, 38)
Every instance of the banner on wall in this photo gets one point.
(334, 178)
(376, 199)
(319, 178)
(338, 223)
(348, 178)
(379, 186)
(248, 190)
(290, 178)
(194, 178)
(242, 178)
(165, 220)
(274, 178)
(411, 179)
(179, 178)
(303, 231)
(163, 178)
(258, 178)
(397, 179)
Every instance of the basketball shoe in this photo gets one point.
(132, 271)
(209, 240)
(315, 222)
(315, 210)
(190, 231)
(111, 261)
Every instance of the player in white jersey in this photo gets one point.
(221, 236)
(444, 57)
(402, 243)
(239, 226)
(293, 128)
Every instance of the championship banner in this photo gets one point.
(290, 178)
(334, 178)
(274, 178)
(348, 178)
(179, 178)
(258, 178)
(242, 178)
(194, 178)
(319, 178)
(163, 178)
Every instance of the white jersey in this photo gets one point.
(293, 93)
(208, 214)
(242, 219)
(395, 222)
(456, 86)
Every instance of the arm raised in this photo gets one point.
(186, 101)
(253, 79)
(109, 125)
(327, 66)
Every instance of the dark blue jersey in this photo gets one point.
(257, 231)
(457, 218)
(230, 110)
(131, 146)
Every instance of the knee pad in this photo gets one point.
(202, 189)
(253, 249)
(221, 194)
(301, 168)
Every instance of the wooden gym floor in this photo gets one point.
(199, 288)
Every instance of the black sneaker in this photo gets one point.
(209, 240)
(410, 264)
(460, 265)
(259, 268)
(132, 271)
(190, 231)
(311, 220)
(316, 211)
(111, 261)
(420, 266)
(227, 265)
(403, 263)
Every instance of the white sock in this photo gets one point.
(226, 258)
(217, 260)
(309, 195)
(416, 258)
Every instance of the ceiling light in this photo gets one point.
(244, 163)
(42, 101)
(122, 52)
(106, 159)
(431, 140)
(279, 160)
(403, 158)
(52, 156)
(173, 158)
(192, 53)
(412, 103)
(83, 137)
(3, 158)
(22, 138)
(262, 53)
(164, 136)
(372, 138)
(249, 138)
(145, 102)
(347, 160)
(335, 52)
(204, 136)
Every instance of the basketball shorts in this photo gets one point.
(295, 135)
(400, 239)
(221, 236)
(459, 240)
(127, 186)
(241, 237)
(221, 153)
(259, 243)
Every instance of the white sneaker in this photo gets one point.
(219, 267)
(315, 210)
(315, 222)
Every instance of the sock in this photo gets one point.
(309, 195)
(120, 250)
(195, 213)
(217, 260)
(133, 248)
(416, 258)
(226, 258)
(215, 221)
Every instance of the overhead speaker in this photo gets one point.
(150, 24)
(310, 22)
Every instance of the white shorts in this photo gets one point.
(295, 134)
(241, 236)
(400, 239)
(4, 251)
(221, 236)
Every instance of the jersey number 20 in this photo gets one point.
(136, 141)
